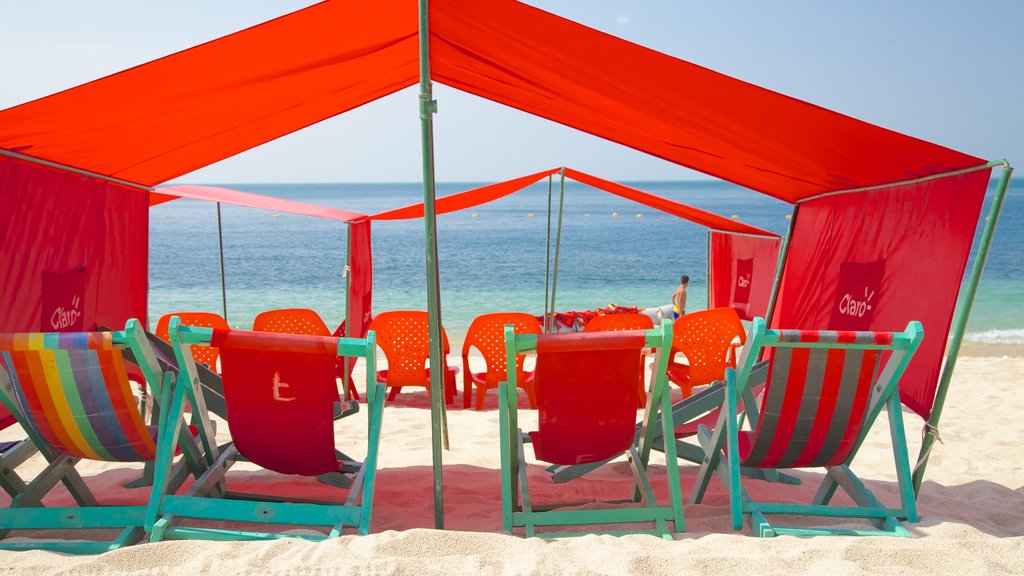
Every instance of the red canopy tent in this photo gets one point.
(96, 146)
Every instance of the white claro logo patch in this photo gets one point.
(66, 317)
(851, 306)
(278, 386)
(743, 281)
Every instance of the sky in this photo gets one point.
(944, 71)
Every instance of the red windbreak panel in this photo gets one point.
(879, 259)
(56, 226)
(168, 117)
(742, 271)
(558, 69)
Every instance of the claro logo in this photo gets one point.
(849, 305)
(63, 318)
(743, 281)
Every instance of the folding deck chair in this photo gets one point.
(280, 392)
(487, 334)
(586, 388)
(824, 391)
(70, 392)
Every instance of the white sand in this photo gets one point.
(971, 505)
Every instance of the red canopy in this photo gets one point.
(239, 198)
(168, 117)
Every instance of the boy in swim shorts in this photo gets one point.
(679, 297)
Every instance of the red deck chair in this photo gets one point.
(487, 334)
(707, 338)
(624, 321)
(404, 337)
(824, 391)
(202, 354)
(280, 392)
(587, 396)
(299, 321)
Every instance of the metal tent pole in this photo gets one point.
(439, 428)
(781, 263)
(547, 264)
(223, 285)
(931, 428)
(558, 242)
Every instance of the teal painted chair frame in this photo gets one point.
(884, 394)
(517, 508)
(27, 511)
(168, 515)
(12, 455)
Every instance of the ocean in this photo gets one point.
(492, 257)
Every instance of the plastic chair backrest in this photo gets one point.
(624, 321)
(707, 338)
(587, 394)
(202, 354)
(404, 336)
(487, 334)
(291, 321)
(73, 392)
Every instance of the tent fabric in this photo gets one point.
(563, 71)
(741, 272)
(154, 122)
(695, 215)
(75, 251)
(467, 199)
(239, 198)
(863, 261)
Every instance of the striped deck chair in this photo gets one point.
(823, 393)
(280, 391)
(70, 391)
(586, 395)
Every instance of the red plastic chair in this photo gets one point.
(708, 338)
(404, 336)
(623, 321)
(487, 334)
(298, 321)
(202, 354)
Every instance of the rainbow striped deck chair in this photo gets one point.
(70, 392)
(280, 391)
(824, 391)
(586, 387)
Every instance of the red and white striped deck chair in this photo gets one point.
(824, 391)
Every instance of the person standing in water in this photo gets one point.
(679, 297)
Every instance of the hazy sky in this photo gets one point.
(949, 72)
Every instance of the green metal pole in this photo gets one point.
(223, 285)
(783, 256)
(547, 264)
(931, 428)
(439, 428)
(558, 242)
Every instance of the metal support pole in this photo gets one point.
(779, 266)
(547, 265)
(931, 428)
(558, 242)
(439, 428)
(223, 284)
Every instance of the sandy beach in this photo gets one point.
(971, 506)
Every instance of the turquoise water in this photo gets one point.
(492, 257)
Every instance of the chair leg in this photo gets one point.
(394, 392)
(481, 395)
